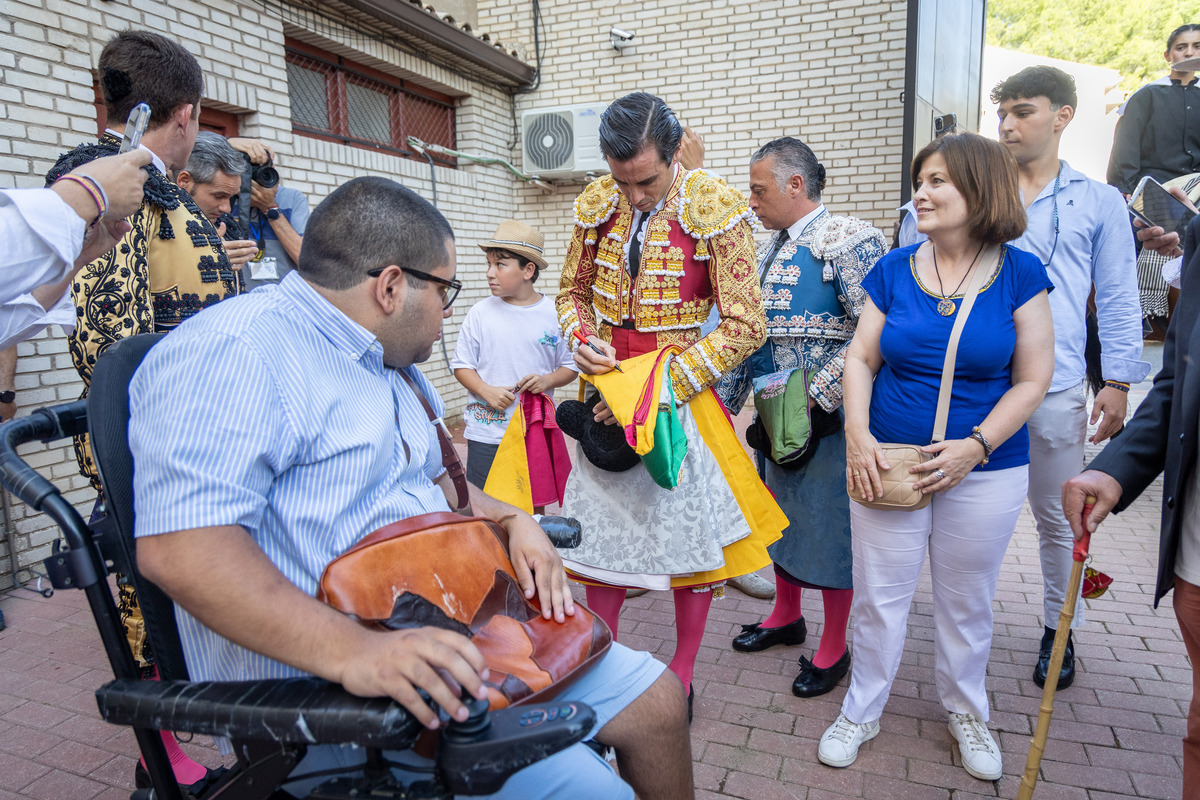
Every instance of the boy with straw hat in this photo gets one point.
(509, 343)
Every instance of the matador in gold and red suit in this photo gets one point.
(697, 251)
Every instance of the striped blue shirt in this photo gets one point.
(274, 411)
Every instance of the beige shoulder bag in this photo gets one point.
(898, 492)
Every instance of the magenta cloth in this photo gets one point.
(545, 450)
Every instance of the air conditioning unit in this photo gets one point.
(563, 142)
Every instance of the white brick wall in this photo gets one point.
(831, 73)
(46, 108)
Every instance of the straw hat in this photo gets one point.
(517, 237)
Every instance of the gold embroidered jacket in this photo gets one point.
(699, 250)
(166, 269)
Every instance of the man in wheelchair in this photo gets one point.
(273, 431)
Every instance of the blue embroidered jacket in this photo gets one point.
(812, 294)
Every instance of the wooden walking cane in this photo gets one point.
(1037, 746)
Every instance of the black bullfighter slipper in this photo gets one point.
(814, 681)
(754, 637)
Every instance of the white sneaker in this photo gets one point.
(980, 755)
(754, 585)
(840, 743)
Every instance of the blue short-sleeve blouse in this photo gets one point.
(913, 345)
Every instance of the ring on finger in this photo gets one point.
(940, 474)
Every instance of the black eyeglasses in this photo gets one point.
(449, 294)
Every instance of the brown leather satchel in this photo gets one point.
(453, 572)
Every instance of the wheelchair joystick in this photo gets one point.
(478, 755)
(474, 726)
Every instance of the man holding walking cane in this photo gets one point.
(1162, 438)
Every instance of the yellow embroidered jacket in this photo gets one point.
(699, 250)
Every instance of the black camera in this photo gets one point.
(264, 175)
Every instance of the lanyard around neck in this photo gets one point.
(1054, 215)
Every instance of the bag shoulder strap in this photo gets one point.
(450, 460)
(978, 279)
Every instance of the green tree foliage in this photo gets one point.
(1129, 36)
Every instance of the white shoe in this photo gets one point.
(840, 743)
(754, 585)
(980, 755)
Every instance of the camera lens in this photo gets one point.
(265, 175)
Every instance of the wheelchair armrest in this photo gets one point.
(292, 710)
(475, 757)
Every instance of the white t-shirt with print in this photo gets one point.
(503, 343)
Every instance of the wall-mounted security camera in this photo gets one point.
(620, 38)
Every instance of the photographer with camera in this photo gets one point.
(213, 176)
(275, 218)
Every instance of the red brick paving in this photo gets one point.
(1116, 732)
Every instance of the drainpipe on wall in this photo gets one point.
(909, 98)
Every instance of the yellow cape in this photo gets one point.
(623, 391)
(509, 479)
(641, 377)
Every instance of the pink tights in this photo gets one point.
(186, 770)
(691, 615)
(605, 602)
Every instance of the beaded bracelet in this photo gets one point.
(96, 185)
(92, 188)
(978, 436)
(1120, 386)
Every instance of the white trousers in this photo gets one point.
(1057, 431)
(965, 531)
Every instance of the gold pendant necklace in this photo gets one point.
(946, 306)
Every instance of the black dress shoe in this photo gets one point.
(691, 697)
(754, 637)
(141, 780)
(1067, 674)
(813, 681)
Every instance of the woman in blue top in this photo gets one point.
(966, 197)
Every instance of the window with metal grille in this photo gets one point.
(338, 100)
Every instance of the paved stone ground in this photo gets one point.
(1116, 731)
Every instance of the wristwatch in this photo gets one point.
(8, 397)
(273, 213)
